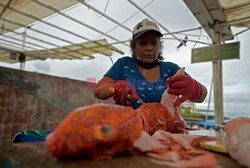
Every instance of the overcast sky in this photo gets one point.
(174, 15)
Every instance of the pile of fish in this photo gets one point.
(100, 131)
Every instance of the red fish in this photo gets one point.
(98, 131)
(156, 117)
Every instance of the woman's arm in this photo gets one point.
(103, 87)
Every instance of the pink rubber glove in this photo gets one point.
(185, 87)
(124, 93)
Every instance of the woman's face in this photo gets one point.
(147, 47)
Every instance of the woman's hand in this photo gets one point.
(102, 90)
(186, 88)
(124, 93)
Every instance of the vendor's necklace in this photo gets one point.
(146, 65)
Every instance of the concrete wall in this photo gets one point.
(35, 101)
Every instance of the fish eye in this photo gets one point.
(106, 129)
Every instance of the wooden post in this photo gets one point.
(218, 92)
(218, 84)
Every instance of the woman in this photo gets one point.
(145, 76)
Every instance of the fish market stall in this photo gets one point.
(103, 135)
(37, 155)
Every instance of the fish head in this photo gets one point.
(95, 128)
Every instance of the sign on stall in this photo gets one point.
(216, 52)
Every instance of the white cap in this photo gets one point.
(144, 26)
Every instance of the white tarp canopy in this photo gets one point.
(15, 14)
(22, 14)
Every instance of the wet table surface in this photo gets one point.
(36, 155)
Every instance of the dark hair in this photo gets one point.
(132, 46)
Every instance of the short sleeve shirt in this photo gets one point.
(125, 69)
